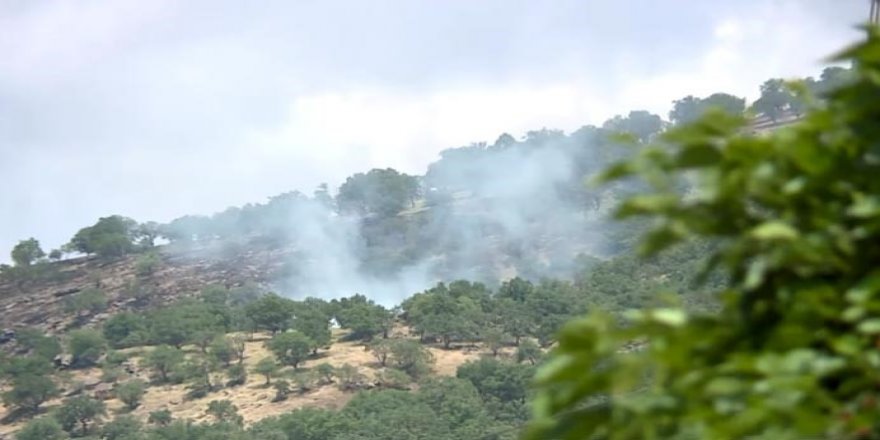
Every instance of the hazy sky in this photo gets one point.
(160, 108)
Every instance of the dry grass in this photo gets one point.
(254, 399)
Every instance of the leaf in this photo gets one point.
(697, 156)
(774, 230)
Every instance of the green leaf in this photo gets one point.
(774, 230)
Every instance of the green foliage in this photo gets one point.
(86, 346)
(110, 237)
(125, 329)
(146, 264)
(43, 428)
(350, 378)
(363, 317)
(131, 393)
(315, 326)
(89, 300)
(282, 390)
(26, 252)
(38, 343)
(28, 391)
(690, 108)
(224, 411)
(160, 417)
(381, 350)
(529, 351)
(271, 313)
(451, 313)
(237, 375)
(123, 427)
(411, 357)
(77, 413)
(291, 347)
(792, 351)
(325, 372)
(267, 367)
(163, 360)
(222, 350)
(380, 192)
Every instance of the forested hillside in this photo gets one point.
(418, 303)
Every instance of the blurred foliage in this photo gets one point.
(792, 353)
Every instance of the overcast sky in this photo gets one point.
(156, 109)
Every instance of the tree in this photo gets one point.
(221, 349)
(131, 393)
(493, 337)
(147, 233)
(326, 372)
(124, 427)
(382, 192)
(364, 319)
(160, 417)
(271, 313)
(86, 346)
(29, 391)
(79, 411)
(787, 355)
(125, 329)
(237, 375)
(38, 344)
(411, 357)
(267, 367)
(291, 348)
(89, 300)
(641, 124)
(775, 99)
(528, 350)
(56, 255)
(349, 377)
(43, 428)
(26, 252)
(316, 327)
(163, 360)
(282, 390)
(224, 411)
(146, 264)
(238, 345)
(381, 350)
(690, 108)
(110, 237)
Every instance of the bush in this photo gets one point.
(163, 360)
(146, 264)
(131, 393)
(44, 428)
(282, 390)
(86, 346)
(266, 367)
(237, 375)
(122, 428)
(161, 417)
(224, 411)
(29, 391)
(88, 300)
(79, 412)
(125, 329)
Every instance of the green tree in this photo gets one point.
(641, 124)
(494, 339)
(221, 349)
(86, 346)
(124, 427)
(411, 357)
(163, 360)
(26, 252)
(282, 390)
(160, 417)
(267, 367)
(528, 350)
(28, 391)
(237, 375)
(80, 412)
(383, 192)
(110, 237)
(381, 350)
(789, 352)
(316, 327)
(89, 300)
(690, 108)
(131, 393)
(38, 343)
(271, 313)
(291, 347)
(224, 411)
(125, 329)
(43, 428)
